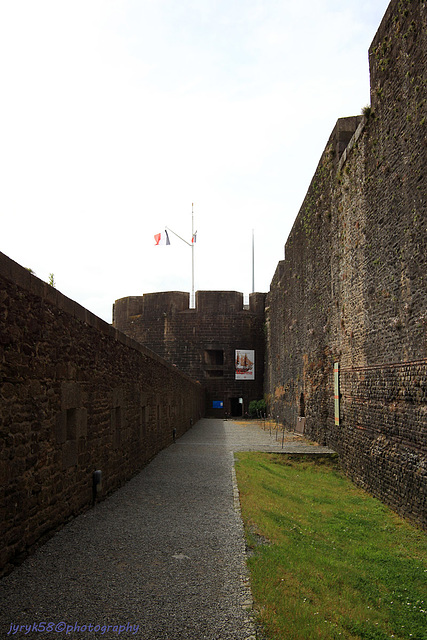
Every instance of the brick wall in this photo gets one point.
(76, 396)
(353, 286)
(191, 338)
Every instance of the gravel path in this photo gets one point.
(161, 559)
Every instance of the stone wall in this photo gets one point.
(201, 341)
(352, 288)
(76, 396)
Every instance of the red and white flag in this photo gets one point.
(193, 239)
(162, 238)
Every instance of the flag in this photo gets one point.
(162, 238)
(193, 239)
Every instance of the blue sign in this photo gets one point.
(217, 404)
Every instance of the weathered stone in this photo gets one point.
(55, 410)
(202, 341)
(352, 288)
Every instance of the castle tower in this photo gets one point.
(219, 342)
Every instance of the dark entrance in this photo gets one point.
(236, 407)
(302, 406)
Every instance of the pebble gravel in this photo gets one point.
(163, 558)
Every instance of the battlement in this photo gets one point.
(153, 305)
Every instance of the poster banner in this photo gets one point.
(337, 392)
(244, 364)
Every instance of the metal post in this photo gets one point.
(253, 263)
(193, 302)
(190, 244)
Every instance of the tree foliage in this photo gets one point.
(257, 408)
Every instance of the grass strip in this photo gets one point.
(327, 560)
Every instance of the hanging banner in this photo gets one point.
(244, 364)
(337, 392)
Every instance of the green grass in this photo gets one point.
(328, 561)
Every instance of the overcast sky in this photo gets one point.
(117, 115)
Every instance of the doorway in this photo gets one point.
(236, 407)
(302, 406)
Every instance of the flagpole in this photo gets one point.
(192, 302)
(253, 263)
(190, 244)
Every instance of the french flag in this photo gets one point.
(162, 238)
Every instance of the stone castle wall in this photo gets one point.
(76, 396)
(201, 341)
(352, 288)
